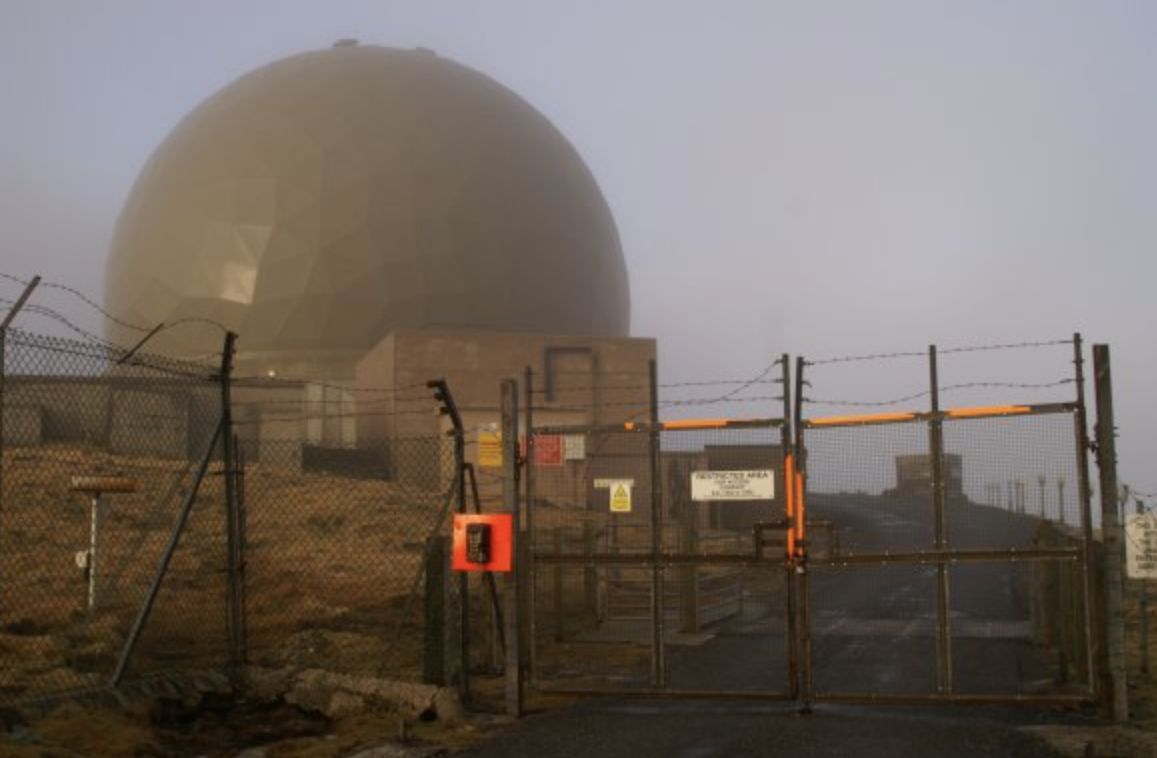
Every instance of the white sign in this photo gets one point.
(1141, 546)
(574, 447)
(733, 485)
(606, 484)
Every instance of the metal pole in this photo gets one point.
(1144, 611)
(658, 657)
(1112, 533)
(19, 304)
(789, 562)
(463, 576)
(513, 675)
(166, 558)
(94, 525)
(1041, 480)
(1061, 499)
(1084, 507)
(531, 569)
(8, 319)
(801, 568)
(936, 451)
(233, 610)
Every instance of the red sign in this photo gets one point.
(548, 449)
(500, 543)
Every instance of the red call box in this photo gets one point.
(482, 542)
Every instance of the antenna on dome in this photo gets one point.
(346, 42)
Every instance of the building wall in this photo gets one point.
(593, 380)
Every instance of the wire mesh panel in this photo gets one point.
(873, 484)
(727, 628)
(999, 607)
(873, 629)
(725, 621)
(1018, 628)
(100, 453)
(592, 619)
(613, 576)
(1007, 475)
(593, 626)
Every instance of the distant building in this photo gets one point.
(914, 475)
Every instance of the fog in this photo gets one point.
(824, 178)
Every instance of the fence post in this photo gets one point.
(511, 612)
(936, 455)
(530, 586)
(1140, 510)
(658, 613)
(435, 656)
(1083, 499)
(235, 611)
(8, 319)
(1114, 620)
(801, 568)
(448, 407)
(787, 453)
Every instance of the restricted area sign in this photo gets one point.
(1141, 546)
(758, 484)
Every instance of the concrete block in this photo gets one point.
(154, 424)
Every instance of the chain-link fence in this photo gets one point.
(102, 453)
(117, 555)
(336, 550)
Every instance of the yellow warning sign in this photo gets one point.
(489, 448)
(621, 497)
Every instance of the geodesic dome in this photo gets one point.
(321, 201)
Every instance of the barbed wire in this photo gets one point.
(943, 351)
(327, 416)
(40, 310)
(1005, 346)
(288, 381)
(95, 349)
(46, 284)
(947, 388)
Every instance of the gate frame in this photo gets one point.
(658, 559)
(942, 557)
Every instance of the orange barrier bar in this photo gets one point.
(989, 410)
(629, 426)
(697, 423)
(789, 503)
(801, 515)
(867, 418)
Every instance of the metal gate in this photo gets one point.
(935, 555)
(962, 565)
(640, 581)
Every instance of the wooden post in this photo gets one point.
(1113, 619)
(437, 584)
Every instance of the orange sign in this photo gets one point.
(489, 536)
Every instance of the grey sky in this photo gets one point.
(817, 178)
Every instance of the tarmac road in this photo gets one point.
(704, 729)
(874, 631)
